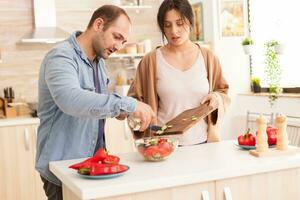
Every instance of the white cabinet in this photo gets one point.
(276, 185)
(118, 137)
(19, 179)
(203, 191)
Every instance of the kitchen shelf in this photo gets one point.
(125, 55)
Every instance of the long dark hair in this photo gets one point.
(183, 7)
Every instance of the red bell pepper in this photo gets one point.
(100, 155)
(99, 169)
(84, 164)
(111, 159)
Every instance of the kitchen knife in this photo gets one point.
(154, 128)
(5, 93)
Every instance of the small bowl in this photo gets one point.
(156, 148)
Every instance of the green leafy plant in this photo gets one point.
(255, 84)
(247, 41)
(255, 81)
(272, 71)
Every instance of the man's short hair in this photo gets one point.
(109, 13)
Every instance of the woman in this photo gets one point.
(181, 75)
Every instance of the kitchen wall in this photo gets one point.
(21, 63)
(235, 64)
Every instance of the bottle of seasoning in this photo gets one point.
(261, 138)
(282, 137)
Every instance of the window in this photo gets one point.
(276, 20)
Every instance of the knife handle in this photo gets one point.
(6, 95)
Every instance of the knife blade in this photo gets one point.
(154, 128)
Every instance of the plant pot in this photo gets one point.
(248, 49)
(256, 88)
(279, 48)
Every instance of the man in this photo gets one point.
(73, 97)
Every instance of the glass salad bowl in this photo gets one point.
(156, 148)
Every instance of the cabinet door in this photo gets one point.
(39, 191)
(273, 185)
(118, 137)
(17, 163)
(203, 191)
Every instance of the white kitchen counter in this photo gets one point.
(19, 121)
(188, 165)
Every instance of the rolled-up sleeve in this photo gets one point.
(61, 75)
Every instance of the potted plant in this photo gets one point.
(247, 45)
(255, 85)
(272, 71)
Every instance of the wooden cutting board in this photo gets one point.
(185, 120)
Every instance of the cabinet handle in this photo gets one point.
(205, 195)
(26, 135)
(227, 193)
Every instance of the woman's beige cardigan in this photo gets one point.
(144, 88)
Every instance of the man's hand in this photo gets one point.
(145, 113)
(122, 116)
(212, 99)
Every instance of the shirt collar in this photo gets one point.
(72, 39)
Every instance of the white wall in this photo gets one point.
(283, 105)
(235, 63)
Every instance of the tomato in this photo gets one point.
(164, 152)
(166, 146)
(111, 159)
(272, 135)
(251, 140)
(162, 140)
(248, 139)
(241, 140)
(151, 151)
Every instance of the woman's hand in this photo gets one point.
(212, 100)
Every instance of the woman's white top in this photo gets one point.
(181, 90)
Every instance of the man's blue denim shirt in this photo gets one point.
(69, 108)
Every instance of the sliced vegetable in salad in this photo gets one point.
(163, 128)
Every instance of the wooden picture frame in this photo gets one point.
(197, 32)
(232, 18)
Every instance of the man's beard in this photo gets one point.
(98, 51)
